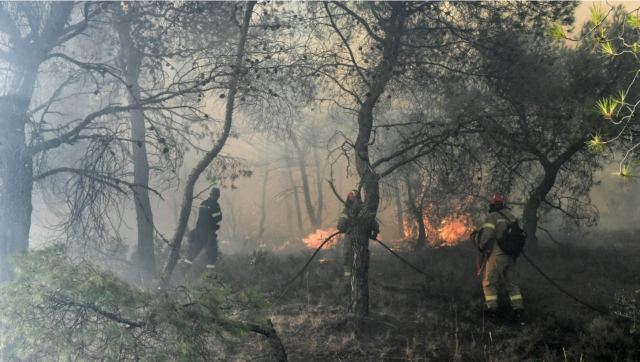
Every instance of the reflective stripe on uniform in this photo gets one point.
(216, 214)
(187, 261)
(488, 226)
(490, 298)
(515, 297)
(210, 266)
(502, 220)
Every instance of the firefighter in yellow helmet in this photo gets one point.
(499, 266)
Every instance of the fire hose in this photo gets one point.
(543, 274)
(306, 265)
(561, 289)
(401, 258)
(415, 268)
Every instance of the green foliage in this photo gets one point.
(556, 30)
(622, 97)
(57, 309)
(606, 47)
(596, 144)
(597, 15)
(607, 107)
(619, 40)
(633, 20)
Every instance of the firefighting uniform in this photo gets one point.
(498, 264)
(204, 236)
(345, 220)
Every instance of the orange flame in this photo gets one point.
(451, 230)
(316, 238)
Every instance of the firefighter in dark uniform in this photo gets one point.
(204, 236)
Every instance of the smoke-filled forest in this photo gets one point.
(319, 181)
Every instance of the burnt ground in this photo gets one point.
(439, 318)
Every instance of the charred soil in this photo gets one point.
(439, 318)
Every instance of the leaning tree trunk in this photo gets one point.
(16, 182)
(131, 58)
(187, 201)
(530, 211)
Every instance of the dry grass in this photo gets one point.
(439, 318)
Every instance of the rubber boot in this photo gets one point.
(491, 314)
(519, 317)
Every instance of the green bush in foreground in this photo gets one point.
(57, 309)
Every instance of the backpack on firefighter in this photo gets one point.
(513, 239)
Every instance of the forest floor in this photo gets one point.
(439, 318)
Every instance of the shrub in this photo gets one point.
(57, 309)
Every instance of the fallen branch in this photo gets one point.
(274, 340)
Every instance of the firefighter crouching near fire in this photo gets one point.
(498, 265)
(347, 219)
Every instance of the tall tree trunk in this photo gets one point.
(131, 58)
(319, 187)
(16, 182)
(263, 204)
(187, 201)
(369, 180)
(417, 214)
(16, 162)
(289, 217)
(530, 211)
(306, 192)
(421, 241)
(296, 199)
(397, 196)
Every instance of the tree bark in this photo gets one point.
(417, 214)
(16, 162)
(319, 187)
(263, 204)
(306, 192)
(530, 211)
(399, 211)
(369, 180)
(16, 182)
(296, 199)
(359, 303)
(279, 352)
(187, 201)
(131, 58)
(538, 194)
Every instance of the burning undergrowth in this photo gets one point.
(316, 238)
(440, 228)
